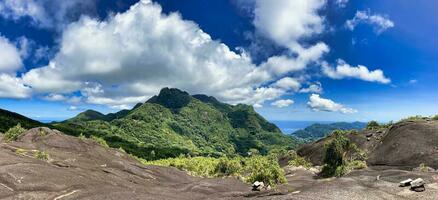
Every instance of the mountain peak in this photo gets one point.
(172, 98)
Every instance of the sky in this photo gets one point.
(293, 60)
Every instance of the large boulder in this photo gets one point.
(407, 145)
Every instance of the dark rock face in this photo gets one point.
(408, 144)
(81, 169)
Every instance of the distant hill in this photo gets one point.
(318, 131)
(174, 123)
(10, 119)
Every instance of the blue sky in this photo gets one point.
(316, 60)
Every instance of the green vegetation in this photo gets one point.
(100, 141)
(20, 151)
(423, 168)
(14, 133)
(300, 161)
(318, 131)
(341, 155)
(42, 155)
(175, 123)
(10, 119)
(372, 125)
(250, 169)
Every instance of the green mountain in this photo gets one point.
(174, 123)
(318, 131)
(10, 119)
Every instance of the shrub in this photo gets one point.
(435, 117)
(300, 161)
(265, 170)
(14, 133)
(372, 125)
(356, 164)
(42, 132)
(334, 161)
(342, 156)
(100, 141)
(228, 167)
(41, 155)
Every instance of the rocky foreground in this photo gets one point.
(46, 164)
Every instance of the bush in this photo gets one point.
(356, 164)
(14, 133)
(341, 156)
(372, 125)
(228, 167)
(265, 170)
(300, 161)
(334, 162)
(435, 117)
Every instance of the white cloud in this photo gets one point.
(55, 97)
(313, 88)
(10, 60)
(12, 87)
(317, 103)
(288, 83)
(379, 22)
(344, 70)
(282, 103)
(53, 14)
(285, 21)
(131, 56)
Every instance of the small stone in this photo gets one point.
(417, 183)
(405, 182)
(257, 186)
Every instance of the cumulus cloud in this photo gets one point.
(10, 60)
(379, 22)
(286, 21)
(344, 70)
(282, 103)
(129, 57)
(12, 87)
(52, 14)
(317, 103)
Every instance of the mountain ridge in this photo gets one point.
(174, 122)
